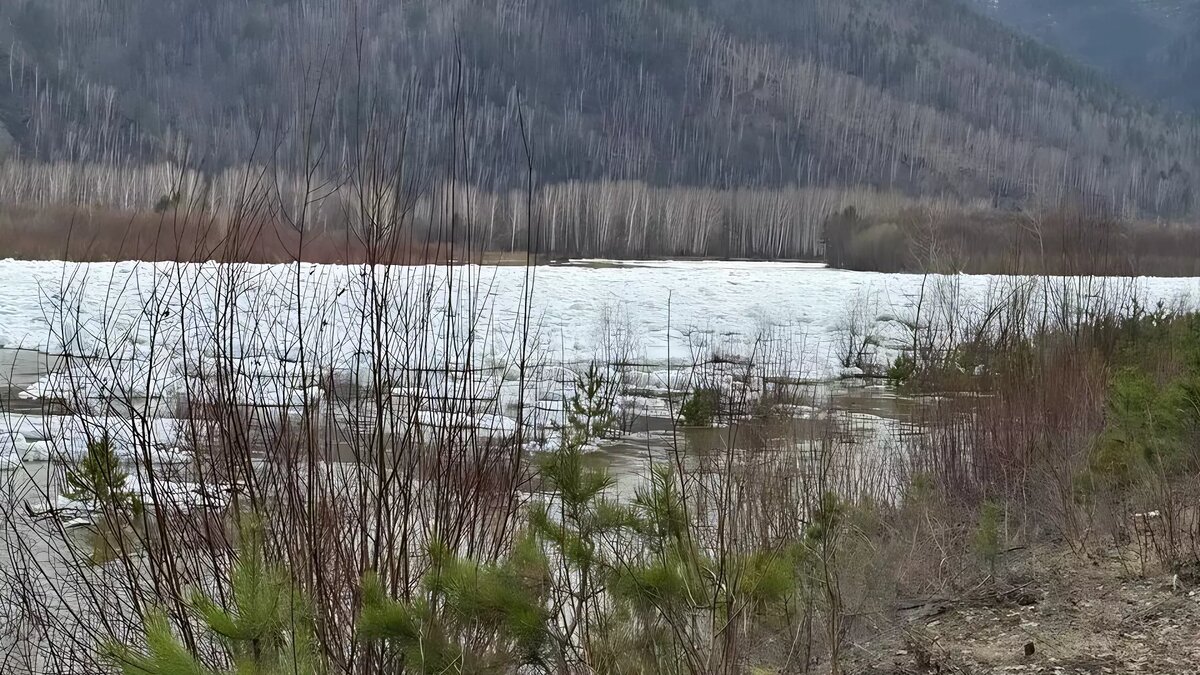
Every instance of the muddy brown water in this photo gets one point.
(650, 436)
(863, 406)
(20, 368)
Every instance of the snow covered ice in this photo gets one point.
(160, 329)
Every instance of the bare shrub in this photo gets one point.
(857, 332)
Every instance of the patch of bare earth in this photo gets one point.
(1048, 611)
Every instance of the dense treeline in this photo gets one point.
(129, 206)
(164, 211)
(919, 96)
(1073, 240)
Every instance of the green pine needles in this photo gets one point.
(99, 480)
(468, 617)
(589, 414)
(266, 627)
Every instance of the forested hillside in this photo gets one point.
(1151, 47)
(924, 98)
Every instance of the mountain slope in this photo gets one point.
(922, 96)
(1151, 47)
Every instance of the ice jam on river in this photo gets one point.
(152, 335)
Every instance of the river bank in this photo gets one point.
(1048, 610)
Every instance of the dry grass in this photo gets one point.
(101, 234)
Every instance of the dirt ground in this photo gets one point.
(1049, 611)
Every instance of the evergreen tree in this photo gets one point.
(589, 415)
(468, 617)
(580, 517)
(99, 480)
(674, 600)
(266, 629)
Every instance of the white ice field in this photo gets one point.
(285, 335)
